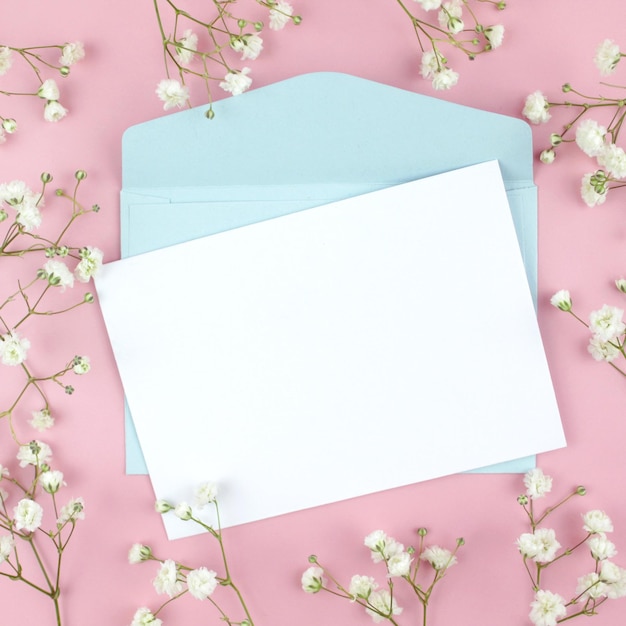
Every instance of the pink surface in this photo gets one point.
(546, 44)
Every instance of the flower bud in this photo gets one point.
(523, 499)
(258, 26)
(566, 88)
(49, 252)
(69, 390)
(59, 192)
(3, 215)
(162, 506)
(9, 125)
(620, 283)
(88, 298)
(46, 177)
(210, 113)
(479, 28)
(547, 156)
(312, 558)
(80, 175)
(501, 6)
(65, 71)
(460, 541)
(183, 511)
(95, 208)
(581, 491)
(562, 300)
(422, 532)
(297, 19)
(62, 251)
(241, 23)
(555, 139)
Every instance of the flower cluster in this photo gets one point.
(453, 23)
(540, 548)
(202, 47)
(39, 58)
(596, 139)
(23, 521)
(379, 601)
(608, 330)
(175, 579)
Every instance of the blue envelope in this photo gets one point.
(300, 143)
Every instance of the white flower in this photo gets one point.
(9, 125)
(620, 283)
(313, 579)
(362, 586)
(167, 580)
(81, 365)
(28, 515)
(51, 480)
(144, 617)
(495, 35)
(183, 511)
(6, 59)
(430, 64)
(547, 156)
(561, 300)
(138, 553)
(72, 53)
(201, 583)
(249, 45)
(382, 603)
(186, 47)
(382, 546)
(541, 546)
(42, 420)
(613, 159)
(536, 482)
(49, 90)
(72, 511)
(58, 274)
(13, 349)
(35, 453)
(536, 108)
(29, 216)
(607, 323)
(237, 82)
(597, 521)
(14, 193)
(607, 57)
(172, 93)
(615, 577)
(601, 548)
(439, 558)
(590, 137)
(7, 543)
(399, 564)
(162, 506)
(450, 16)
(54, 111)
(89, 264)
(429, 5)
(590, 586)
(602, 350)
(204, 494)
(445, 79)
(547, 608)
(592, 194)
(280, 14)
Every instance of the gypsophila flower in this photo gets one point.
(597, 521)
(547, 608)
(72, 511)
(399, 564)
(280, 15)
(58, 274)
(54, 111)
(607, 57)
(204, 494)
(590, 586)
(602, 350)
(201, 583)
(9, 125)
(138, 553)
(445, 78)
(381, 602)
(439, 558)
(6, 59)
(607, 323)
(186, 47)
(613, 159)
(49, 90)
(72, 53)
(601, 548)
(450, 16)
(561, 300)
(547, 545)
(29, 217)
(13, 349)
(620, 283)
(51, 480)
(495, 35)
(162, 506)
(590, 137)
(592, 193)
(615, 577)
(382, 546)
(167, 580)
(7, 543)
(362, 586)
(172, 93)
(429, 5)
(144, 617)
(42, 420)
(28, 515)
(536, 482)
(89, 264)
(183, 511)
(236, 82)
(35, 453)
(547, 156)
(312, 579)
(81, 365)
(536, 108)
(250, 45)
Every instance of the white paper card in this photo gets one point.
(367, 344)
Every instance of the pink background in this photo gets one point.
(582, 249)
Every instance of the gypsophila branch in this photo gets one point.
(37, 60)
(540, 548)
(203, 47)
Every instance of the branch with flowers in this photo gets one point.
(207, 56)
(176, 579)
(458, 27)
(400, 564)
(39, 59)
(540, 549)
(608, 330)
(596, 140)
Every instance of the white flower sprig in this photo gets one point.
(39, 59)
(540, 549)
(202, 47)
(608, 330)
(175, 579)
(404, 564)
(41, 530)
(452, 23)
(597, 139)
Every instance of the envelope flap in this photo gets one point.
(268, 136)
